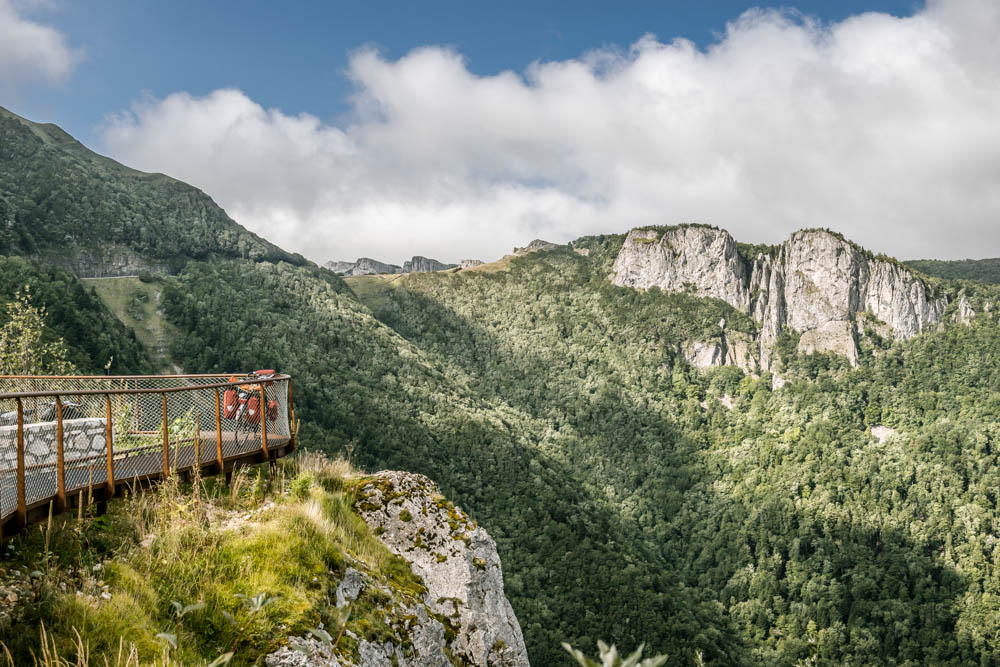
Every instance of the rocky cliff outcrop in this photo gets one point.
(462, 618)
(457, 561)
(105, 261)
(535, 246)
(815, 283)
(424, 265)
(366, 266)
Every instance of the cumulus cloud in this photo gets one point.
(31, 51)
(883, 128)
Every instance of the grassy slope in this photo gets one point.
(293, 544)
(142, 315)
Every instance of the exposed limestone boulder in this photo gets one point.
(815, 283)
(459, 616)
(964, 313)
(470, 263)
(882, 433)
(702, 354)
(732, 349)
(456, 559)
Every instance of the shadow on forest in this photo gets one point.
(794, 585)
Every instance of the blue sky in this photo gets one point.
(458, 130)
(292, 55)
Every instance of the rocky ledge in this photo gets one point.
(462, 618)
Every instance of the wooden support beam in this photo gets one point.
(22, 499)
(110, 449)
(166, 440)
(60, 459)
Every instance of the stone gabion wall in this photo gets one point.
(81, 438)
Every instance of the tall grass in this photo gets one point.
(176, 571)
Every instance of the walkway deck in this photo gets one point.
(53, 468)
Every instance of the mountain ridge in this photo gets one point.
(66, 205)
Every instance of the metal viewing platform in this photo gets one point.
(67, 441)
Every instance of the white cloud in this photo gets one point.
(883, 128)
(31, 51)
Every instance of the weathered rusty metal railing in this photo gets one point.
(66, 441)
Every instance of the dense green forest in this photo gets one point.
(627, 500)
(97, 340)
(575, 569)
(981, 270)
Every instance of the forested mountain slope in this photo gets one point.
(813, 536)
(981, 270)
(65, 204)
(575, 568)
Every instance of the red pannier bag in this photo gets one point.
(252, 415)
(230, 401)
(272, 410)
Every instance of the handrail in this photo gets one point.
(117, 392)
(110, 437)
(116, 377)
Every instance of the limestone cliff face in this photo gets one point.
(457, 561)
(815, 283)
(424, 265)
(462, 618)
(365, 266)
(105, 261)
(698, 258)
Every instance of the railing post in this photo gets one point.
(60, 459)
(218, 433)
(166, 439)
(111, 450)
(22, 500)
(291, 417)
(263, 419)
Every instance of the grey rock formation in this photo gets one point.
(111, 261)
(340, 266)
(964, 312)
(457, 561)
(459, 566)
(535, 246)
(697, 259)
(366, 266)
(424, 265)
(732, 349)
(470, 263)
(815, 283)
(349, 587)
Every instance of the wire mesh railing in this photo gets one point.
(61, 436)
